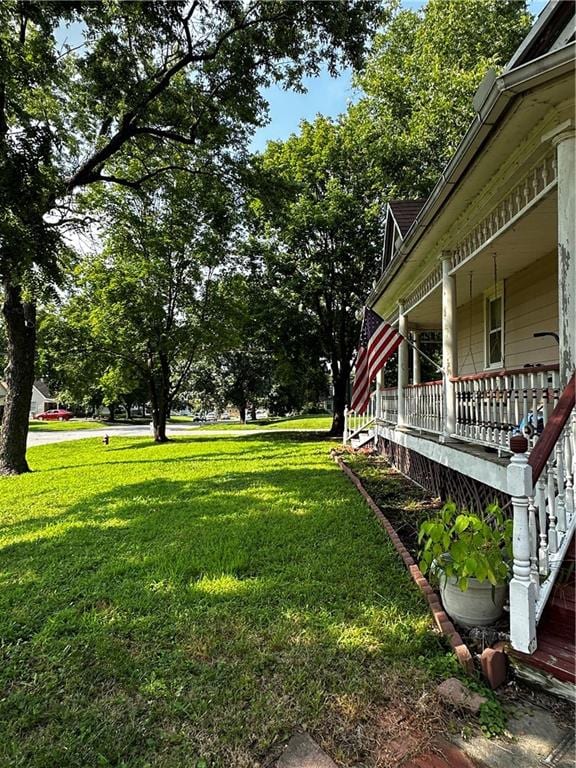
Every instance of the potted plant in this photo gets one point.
(471, 555)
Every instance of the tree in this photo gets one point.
(148, 75)
(148, 299)
(323, 190)
(321, 227)
(419, 82)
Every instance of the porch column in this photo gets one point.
(402, 367)
(565, 143)
(449, 343)
(379, 388)
(416, 373)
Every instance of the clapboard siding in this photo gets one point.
(470, 323)
(530, 306)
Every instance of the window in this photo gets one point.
(494, 327)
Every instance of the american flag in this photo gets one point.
(378, 342)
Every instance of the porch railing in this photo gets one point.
(490, 407)
(543, 500)
(354, 423)
(424, 404)
(389, 405)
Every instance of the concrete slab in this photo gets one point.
(303, 752)
(536, 739)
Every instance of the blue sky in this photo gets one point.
(325, 95)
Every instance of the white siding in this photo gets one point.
(530, 305)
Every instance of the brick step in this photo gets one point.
(555, 655)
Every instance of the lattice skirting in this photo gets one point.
(439, 480)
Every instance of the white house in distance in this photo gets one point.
(42, 400)
(490, 261)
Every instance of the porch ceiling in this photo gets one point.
(531, 238)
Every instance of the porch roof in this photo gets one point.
(493, 103)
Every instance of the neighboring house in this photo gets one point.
(42, 400)
(490, 260)
(3, 393)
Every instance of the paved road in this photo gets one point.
(119, 430)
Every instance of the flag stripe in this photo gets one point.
(378, 342)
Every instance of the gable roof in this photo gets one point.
(553, 28)
(42, 387)
(405, 212)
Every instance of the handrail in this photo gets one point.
(506, 372)
(552, 430)
(424, 384)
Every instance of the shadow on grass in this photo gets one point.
(196, 618)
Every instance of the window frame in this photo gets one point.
(493, 293)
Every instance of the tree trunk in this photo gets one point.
(112, 412)
(253, 412)
(20, 320)
(341, 383)
(159, 399)
(242, 410)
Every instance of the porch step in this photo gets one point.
(559, 617)
(361, 439)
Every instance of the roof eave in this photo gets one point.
(504, 88)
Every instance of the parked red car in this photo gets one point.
(58, 414)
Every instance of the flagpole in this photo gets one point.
(435, 364)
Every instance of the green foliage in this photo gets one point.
(465, 545)
(422, 73)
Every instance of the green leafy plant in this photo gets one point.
(465, 545)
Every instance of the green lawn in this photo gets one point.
(63, 426)
(318, 423)
(193, 604)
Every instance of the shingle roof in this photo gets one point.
(404, 212)
(42, 387)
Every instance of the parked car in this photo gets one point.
(57, 414)
(212, 416)
(224, 416)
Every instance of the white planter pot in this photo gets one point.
(480, 606)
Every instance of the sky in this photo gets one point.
(325, 95)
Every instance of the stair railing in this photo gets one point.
(542, 489)
(354, 423)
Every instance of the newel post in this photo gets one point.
(345, 433)
(522, 587)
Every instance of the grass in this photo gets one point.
(314, 423)
(63, 426)
(195, 603)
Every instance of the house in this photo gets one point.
(42, 400)
(3, 393)
(489, 259)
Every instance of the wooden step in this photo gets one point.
(559, 617)
(556, 656)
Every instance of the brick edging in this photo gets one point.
(440, 617)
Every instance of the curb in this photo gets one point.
(440, 617)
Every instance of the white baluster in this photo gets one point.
(551, 495)
(543, 562)
(569, 490)
(560, 484)
(345, 435)
(532, 529)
